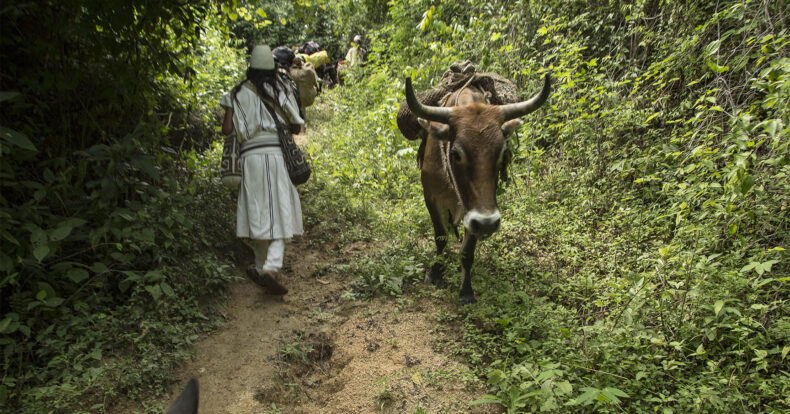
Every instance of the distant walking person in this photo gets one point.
(268, 211)
(353, 57)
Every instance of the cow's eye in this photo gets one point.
(457, 155)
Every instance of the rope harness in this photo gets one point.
(444, 146)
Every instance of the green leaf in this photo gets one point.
(77, 275)
(612, 393)
(717, 307)
(496, 376)
(716, 68)
(7, 321)
(143, 165)
(747, 182)
(41, 295)
(772, 126)
(167, 289)
(766, 266)
(99, 268)
(17, 138)
(120, 257)
(40, 252)
(38, 237)
(95, 354)
(487, 399)
(40, 243)
(4, 96)
(590, 394)
(59, 233)
(54, 302)
(760, 354)
(785, 351)
(155, 291)
(564, 387)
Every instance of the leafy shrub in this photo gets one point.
(111, 239)
(642, 261)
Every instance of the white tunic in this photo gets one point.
(268, 206)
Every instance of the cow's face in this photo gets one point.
(476, 133)
(477, 136)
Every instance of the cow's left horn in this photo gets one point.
(431, 113)
(517, 110)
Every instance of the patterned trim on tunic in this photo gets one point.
(271, 203)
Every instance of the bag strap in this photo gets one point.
(269, 104)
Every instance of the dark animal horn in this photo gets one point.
(431, 113)
(187, 401)
(517, 110)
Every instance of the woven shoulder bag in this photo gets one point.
(298, 168)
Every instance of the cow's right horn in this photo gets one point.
(431, 113)
(517, 110)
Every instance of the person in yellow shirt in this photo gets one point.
(353, 57)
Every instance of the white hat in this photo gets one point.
(262, 58)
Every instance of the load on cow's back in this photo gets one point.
(463, 125)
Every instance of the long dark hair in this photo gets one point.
(260, 77)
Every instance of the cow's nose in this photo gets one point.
(483, 224)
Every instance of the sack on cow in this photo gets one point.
(304, 75)
(498, 91)
(316, 59)
(230, 165)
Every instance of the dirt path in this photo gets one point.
(318, 351)
(315, 352)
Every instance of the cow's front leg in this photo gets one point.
(435, 275)
(467, 294)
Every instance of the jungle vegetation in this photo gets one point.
(642, 262)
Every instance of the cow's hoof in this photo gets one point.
(467, 300)
(434, 278)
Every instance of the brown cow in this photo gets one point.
(465, 151)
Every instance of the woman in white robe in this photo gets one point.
(269, 211)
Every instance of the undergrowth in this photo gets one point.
(641, 265)
(642, 262)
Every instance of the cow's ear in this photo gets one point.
(510, 126)
(436, 129)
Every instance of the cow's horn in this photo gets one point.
(431, 113)
(517, 110)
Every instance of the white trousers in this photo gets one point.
(268, 254)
